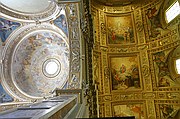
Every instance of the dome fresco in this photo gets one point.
(32, 59)
(39, 53)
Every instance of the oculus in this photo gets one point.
(51, 68)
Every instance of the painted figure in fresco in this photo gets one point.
(116, 79)
(125, 78)
(61, 23)
(137, 110)
(135, 76)
(166, 110)
(163, 82)
(163, 69)
(129, 110)
(124, 35)
(4, 97)
(161, 63)
(113, 35)
(1, 97)
(155, 25)
(31, 40)
(128, 35)
(6, 28)
(122, 68)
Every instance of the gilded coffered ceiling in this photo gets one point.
(134, 59)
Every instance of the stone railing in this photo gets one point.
(11, 105)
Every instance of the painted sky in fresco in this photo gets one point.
(6, 28)
(4, 97)
(61, 23)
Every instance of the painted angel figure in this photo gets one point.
(6, 28)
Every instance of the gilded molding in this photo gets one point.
(151, 109)
(145, 70)
(108, 111)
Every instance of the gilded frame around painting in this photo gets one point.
(125, 109)
(120, 29)
(125, 72)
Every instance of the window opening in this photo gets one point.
(172, 11)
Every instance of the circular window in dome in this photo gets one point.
(174, 64)
(51, 67)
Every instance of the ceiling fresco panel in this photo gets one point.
(120, 29)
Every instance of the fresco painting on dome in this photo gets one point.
(120, 29)
(61, 23)
(6, 28)
(125, 73)
(4, 97)
(135, 110)
(30, 57)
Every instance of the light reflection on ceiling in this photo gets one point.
(27, 6)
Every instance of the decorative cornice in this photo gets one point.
(29, 16)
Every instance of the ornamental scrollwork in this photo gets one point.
(145, 70)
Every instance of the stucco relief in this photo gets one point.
(74, 35)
